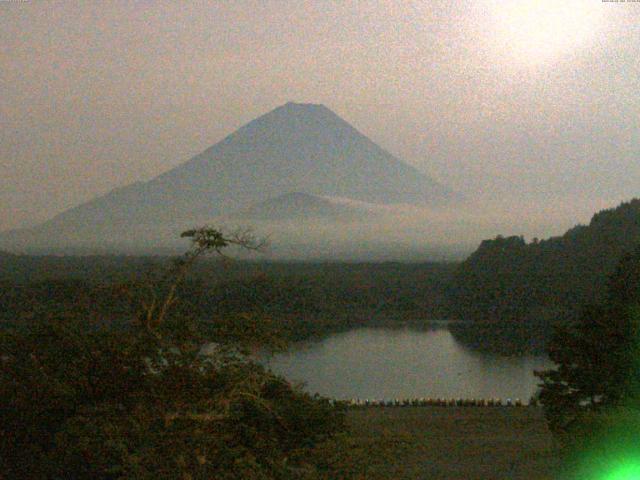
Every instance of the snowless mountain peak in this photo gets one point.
(297, 147)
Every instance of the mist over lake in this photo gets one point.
(386, 363)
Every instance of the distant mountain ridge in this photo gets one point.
(302, 148)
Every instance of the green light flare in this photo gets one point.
(629, 471)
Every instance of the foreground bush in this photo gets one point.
(149, 401)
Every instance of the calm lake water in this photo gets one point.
(383, 363)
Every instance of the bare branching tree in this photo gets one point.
(160, 295)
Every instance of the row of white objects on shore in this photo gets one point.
(439, 402)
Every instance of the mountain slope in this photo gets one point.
(300, 148)
(294, 148)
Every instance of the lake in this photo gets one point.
(384, 363)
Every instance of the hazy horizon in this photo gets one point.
(530, 110)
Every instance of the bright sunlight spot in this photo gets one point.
(535, 31)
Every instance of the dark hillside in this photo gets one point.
(509, 282)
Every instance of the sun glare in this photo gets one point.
(535, 31)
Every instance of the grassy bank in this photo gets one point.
(452, 443)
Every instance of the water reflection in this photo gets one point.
(380, 363)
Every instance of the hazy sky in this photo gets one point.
(531, 102)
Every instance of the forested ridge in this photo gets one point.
(526, 288)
